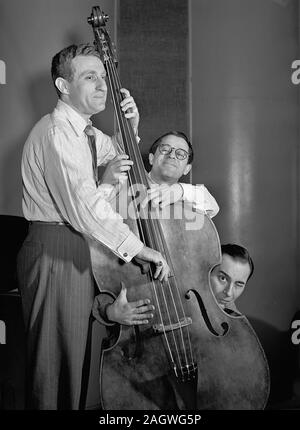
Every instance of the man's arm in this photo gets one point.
(80, 202)
(108, 311)
(201, 199)
(83, 206)
(198, 195)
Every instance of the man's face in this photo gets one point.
(228, 280)
(87, 91)
(167, 168)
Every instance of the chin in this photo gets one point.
(166, 178)
(170, 178)
(99, 104)
(97, 109)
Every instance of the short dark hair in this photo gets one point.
(61, 66)
(155, 144)
(240, 253)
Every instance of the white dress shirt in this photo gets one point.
(199, 196)
(59, 185)
(201, 199)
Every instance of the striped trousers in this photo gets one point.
(57, 290)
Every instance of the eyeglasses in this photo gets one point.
(165, 149)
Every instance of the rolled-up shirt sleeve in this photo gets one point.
(201, 199)
(80, 203)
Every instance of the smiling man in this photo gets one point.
(171, 157)
(228, 280)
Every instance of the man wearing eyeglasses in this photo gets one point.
(171, 157)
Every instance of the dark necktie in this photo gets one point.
(92, 144)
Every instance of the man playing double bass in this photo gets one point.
(65, 206)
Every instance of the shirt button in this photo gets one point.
(125, 254)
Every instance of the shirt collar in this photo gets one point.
(72, 116)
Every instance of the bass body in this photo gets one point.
(230, 370)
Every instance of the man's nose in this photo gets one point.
(228, 290)
(101, 84)
(172, 153)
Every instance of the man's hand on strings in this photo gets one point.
(116, 170)
(149, 255)
(130, 108)
(129, 313)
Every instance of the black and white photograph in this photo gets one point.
(150, 211)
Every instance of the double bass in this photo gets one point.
(192, 354)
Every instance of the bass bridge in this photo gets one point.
(185, 373)
(164, 328)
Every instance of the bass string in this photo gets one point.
(174, 287)
(115, 89)
(151, 228)
(171, 285)
(179, 334)
(155, 234)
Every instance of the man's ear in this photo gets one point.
(151, 156)
(187, 169)
(63, 85)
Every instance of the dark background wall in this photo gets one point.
(153, 41)
(217, 69)
(31, 33)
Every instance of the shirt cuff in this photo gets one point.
(201, 198)
(130, 247)
(193, 194)
(100, 304)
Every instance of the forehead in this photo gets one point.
(85, 63)
(176, 141)
(237, 269)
